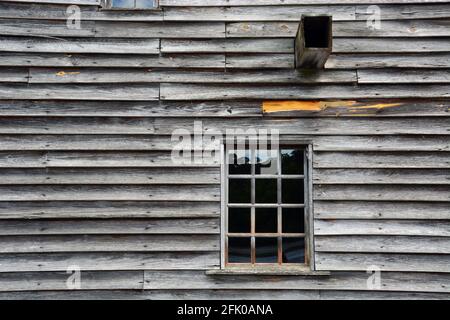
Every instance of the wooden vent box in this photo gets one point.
(314, 42)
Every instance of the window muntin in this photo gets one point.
(265, 207)
(131, 4)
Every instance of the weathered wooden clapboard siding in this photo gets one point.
(86, 117)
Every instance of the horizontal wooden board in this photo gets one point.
(403, 76)
(58, 11)
(382, 160)
(109, 243)
(221, 295)
(130, 108)
(139, 92)
(44, 281)
(382, 192)
(51, 75)
(430, 228)
(141, 142)
(382, 244)
(237, 3)
(110, 193)
(390, 45)
(256, 13)
(312, 126)
(42, 125)
(114, 60)
(381, 143)
(117, 29)
(156, 226)
(391, 281)
(124, 176)
(385, 262)
(108, 210)
(107, 261)
(82, 45)
(406, 11)
(260, 61)
(15, 75)
(45, 28)
(388, 60)
(228, 46)
(403, 28)
(300, 92)
(380, 176)
(367, 210)
(358, 108)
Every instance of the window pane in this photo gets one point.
(293, 220)
(292, 161)
(266, 220)
(239, 162)
(266, 250)
(239, 250)
(293, 250)
(145, 4)
(293, 191)
(239, 191)
(266, 162)
(266, 191)
(239, 220)
(129, 4)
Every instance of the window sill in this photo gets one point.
(132, 9)
(267, 272)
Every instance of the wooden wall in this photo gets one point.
(85, 121)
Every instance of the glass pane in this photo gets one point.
(292, 191)
(266, 191)
(239, 250)
(266, 220)
(239, 191)
(293, 250)
(292, 161)
(266, 162)
(239, 220)
(266, 250)
(239, 162)
(293, 220)
(146, 4)
(129, 4)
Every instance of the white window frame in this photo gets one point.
(309, 264)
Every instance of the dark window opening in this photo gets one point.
(131, 4)
(317, 31)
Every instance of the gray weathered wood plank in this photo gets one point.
(107, 261)
(431, 228)
(382, 192)
(368, 210)
(73, 209)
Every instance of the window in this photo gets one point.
(130, 4)
(265, 207)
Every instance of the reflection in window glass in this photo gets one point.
(239, 162)
(239, 220)
(239, 250)
(266, 191)
(293, 220)
(146, 4)
(292, 161)
(266, 162)
(239, 191)
(122, 4)
(266, 250)
(266, 220)
(293, 250)
(292, 191)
